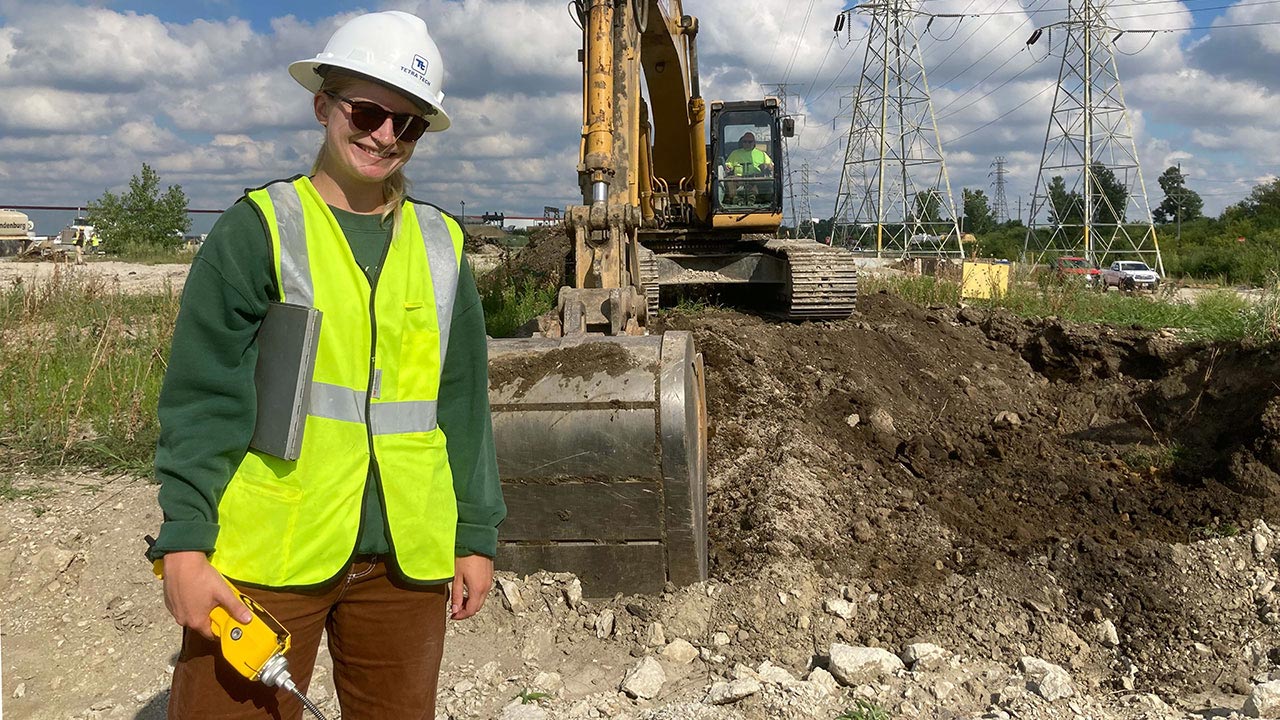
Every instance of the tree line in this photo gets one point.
(1239, 246)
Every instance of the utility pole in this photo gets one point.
(1089, 144)
(1182, 189)
(894, 196)
(1000, 205)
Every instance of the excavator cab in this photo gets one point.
(745, 153)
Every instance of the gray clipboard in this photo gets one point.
(287, 343)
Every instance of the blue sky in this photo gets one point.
(199, 90)
(259, 14)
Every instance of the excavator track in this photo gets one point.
(823, 281)
(649, 279)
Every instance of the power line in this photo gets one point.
(988, 52)
(1209, 27)
(1202, 9)
(786, 75)
(968, 37)
(1002, 116)
(1124, 5)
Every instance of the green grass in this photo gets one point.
(10, 491)
(1162, 457)
(507, 306)
(143, 254)
(864, 710)
(1217, 531)
(1215, 315)
(530, 697)
(82, 371)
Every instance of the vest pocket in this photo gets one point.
(257, 511)
(419, 366)
(422, 512)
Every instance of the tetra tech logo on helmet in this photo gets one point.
(419, 69)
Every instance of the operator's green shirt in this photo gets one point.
(747, 162)
(208, 408)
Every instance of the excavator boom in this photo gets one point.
(601, 428)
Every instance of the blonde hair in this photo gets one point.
(396, 187)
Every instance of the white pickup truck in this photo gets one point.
(1130, 275)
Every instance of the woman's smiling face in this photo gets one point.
(361, 155)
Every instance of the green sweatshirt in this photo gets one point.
(207, 405)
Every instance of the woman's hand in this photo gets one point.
(472, 580)
(192, 589)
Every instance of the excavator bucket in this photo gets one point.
(602, 449)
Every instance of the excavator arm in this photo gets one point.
(601, 429)
(632, 171)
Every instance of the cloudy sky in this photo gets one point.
(199, 90)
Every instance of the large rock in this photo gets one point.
(859, 665)
(511, 597)
(924, 656)
(723, 693)
(644, 681)
(573, 593)
(770, 673)
(839, 607)
(822, 681)
(680, 651)
(1264, 701)
(687, 614)
(604, 624)
(1045, 679)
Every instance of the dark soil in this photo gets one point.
(991, 471)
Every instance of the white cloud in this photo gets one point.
(210, 105)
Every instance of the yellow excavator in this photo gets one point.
(601, 427)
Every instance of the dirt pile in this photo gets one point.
(1001, 486)
(1002, 518)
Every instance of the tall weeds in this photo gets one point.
(1216, 315)
(82, 369)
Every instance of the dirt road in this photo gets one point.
(130, 277)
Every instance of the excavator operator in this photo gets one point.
(746, 160)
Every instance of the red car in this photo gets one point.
(1075, 267)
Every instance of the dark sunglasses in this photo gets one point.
(369, 116)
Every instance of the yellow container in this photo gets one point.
(984, 279)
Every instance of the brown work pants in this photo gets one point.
(386, 639)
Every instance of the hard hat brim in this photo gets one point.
(307, 73)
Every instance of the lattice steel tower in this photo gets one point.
(894, 196)
(999, 203)
(804, 222)
(782, 92)
(1099, 208)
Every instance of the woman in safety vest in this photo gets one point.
(386, 519)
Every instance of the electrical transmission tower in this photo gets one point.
(804, 225)
(894, 197)
(999, 203)
(1089, 197)
(783, 94)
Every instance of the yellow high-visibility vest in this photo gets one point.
(373, 403)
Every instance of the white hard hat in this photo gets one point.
(393, 48)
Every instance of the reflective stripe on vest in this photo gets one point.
(293, 524)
